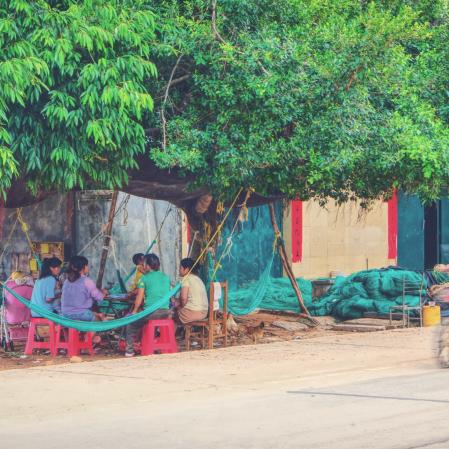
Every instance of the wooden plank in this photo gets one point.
(290, 326)
(368, 322)
(383, 316)
(357, 328)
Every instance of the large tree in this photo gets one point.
(316, 98)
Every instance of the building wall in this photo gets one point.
(135, 227)
(343, 238)
(45, 221)
(340, 238)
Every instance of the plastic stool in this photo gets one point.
(32, 344)
(166, 342)
(74, 341)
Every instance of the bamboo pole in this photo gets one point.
(286, 263)
(70, 226)
(107, 239)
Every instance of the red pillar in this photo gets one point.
(393, 226)
(296, 208)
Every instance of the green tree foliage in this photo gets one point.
(74, 90)
(315, 98)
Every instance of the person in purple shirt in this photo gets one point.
(79, 292)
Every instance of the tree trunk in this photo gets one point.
(200, 223)
(107, 239)
(286, 263)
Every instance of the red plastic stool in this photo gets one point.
(166, 342)
(74, 341)
(32, 344)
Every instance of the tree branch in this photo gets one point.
(352, 78)
(214, 22)
(180, 79)
(174, 82)
(218, 35)
(163, 120)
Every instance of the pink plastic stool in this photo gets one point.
(32, 344)
(74, 341)
(166, 342)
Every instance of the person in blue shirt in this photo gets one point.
(44, 291)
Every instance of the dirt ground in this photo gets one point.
(278, 327)
(341, 391)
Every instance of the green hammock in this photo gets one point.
(94, 326)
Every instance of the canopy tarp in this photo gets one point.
(146, 182)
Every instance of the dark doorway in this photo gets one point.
(431, 236)
(410, 232)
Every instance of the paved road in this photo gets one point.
(359, 391)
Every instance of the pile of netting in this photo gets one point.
(269, 294)
(350, 297)
(371, 291)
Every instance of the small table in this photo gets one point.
(115, 305)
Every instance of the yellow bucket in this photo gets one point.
(431, 315)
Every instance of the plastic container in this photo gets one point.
(431, 315)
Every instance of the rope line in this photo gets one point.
(228, 246)
(25, 229)
(101, 233)
(9, 239)
(217, 231)
(156, 239)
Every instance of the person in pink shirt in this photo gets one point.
(15, 311)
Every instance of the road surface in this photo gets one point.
(355, 391)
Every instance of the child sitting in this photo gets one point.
(138, 261)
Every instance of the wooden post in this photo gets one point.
(107, 239)
(70, 226)
(286, 263)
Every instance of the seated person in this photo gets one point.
(79, 292)
(139, 262)
(153, 286)
(193, 304)
(15, 311)
(44, 292)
